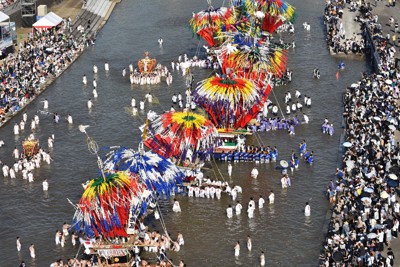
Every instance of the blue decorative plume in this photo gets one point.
(156, 172)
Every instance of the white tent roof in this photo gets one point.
(3, 16)
(48, 21)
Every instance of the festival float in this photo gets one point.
(110, 214)
(241, 37)
(107, 216)
(30, 148)
(185, 137)
(147, 65)
(229, 102)
(149, 71)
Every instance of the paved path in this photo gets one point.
(351, 27)
(384, 13)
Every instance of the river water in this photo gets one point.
(280, 230)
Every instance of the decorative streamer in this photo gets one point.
(230, 102)
(104, 207)
(208, 23)
(159, 174)
(181, 135)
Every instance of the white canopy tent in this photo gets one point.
(4, 17)
(7, 34)
(49, 21)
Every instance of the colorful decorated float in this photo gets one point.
(187, 138)
(147, 65)
(149, 72)
(110, 214)
(30, 148)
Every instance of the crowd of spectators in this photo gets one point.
(366, 211)
(336, 37)
(383, 44)
(42, 56)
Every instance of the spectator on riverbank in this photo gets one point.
(366, 211)
(336, 35)
(43, 56)
(366, 214)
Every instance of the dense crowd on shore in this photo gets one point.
(384, 45)
(43, 56)
(336, 34)
(366, 212)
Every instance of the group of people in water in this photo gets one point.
(209, 188)
(257, 154)
(251, 206)
(265, 123)
(327, 127)
(186, 103)
(366, 211)
(294, 106)
(153, 77)
(183, 63)
(25, 162)
(275, 123)
(154, 241)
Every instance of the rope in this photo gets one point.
(259, 140)
(279, 106)
(217, 169)
(165, 230)
(159, 212)
(77, 253)
(215, 174)
(198, 48)
(162, 220)
(157, 207)
(173, 265)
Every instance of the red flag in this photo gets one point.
(337, 75)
